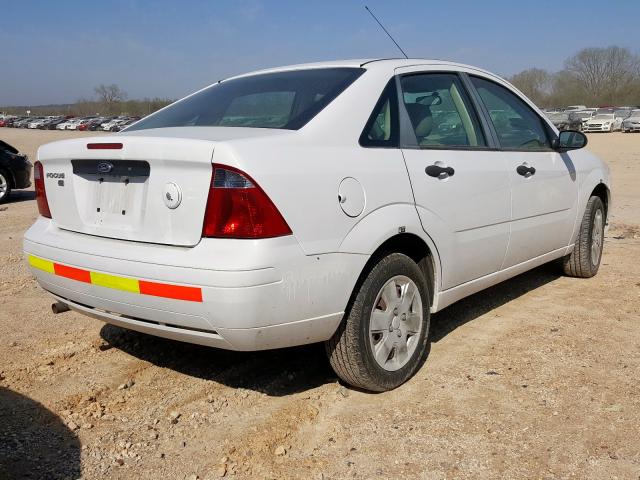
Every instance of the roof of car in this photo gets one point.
(368, 63)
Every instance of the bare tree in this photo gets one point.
(605, 72)
(535, 83)
(108, 94)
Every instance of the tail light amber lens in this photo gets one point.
(41, 193)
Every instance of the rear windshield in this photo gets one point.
(286, 100)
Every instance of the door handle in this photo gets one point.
(439, 171)
(525, 170)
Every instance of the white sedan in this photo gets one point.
(66, 125)
(603, 122)
(316, 203)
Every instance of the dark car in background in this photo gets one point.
(632, 122)
(565, 120)
(50, 123)
(15, 170)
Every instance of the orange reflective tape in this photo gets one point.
(126, 284)
(72, 273)
(177, 292)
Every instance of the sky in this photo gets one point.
(58, 51)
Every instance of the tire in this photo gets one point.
(401, 342)
(5, 186)
(585, 259)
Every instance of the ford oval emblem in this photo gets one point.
(105, 167)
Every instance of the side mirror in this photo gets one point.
(570, 140)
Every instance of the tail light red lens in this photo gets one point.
(238, 208)
(41, 193)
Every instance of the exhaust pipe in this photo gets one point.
(59, 307)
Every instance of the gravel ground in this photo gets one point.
(537, 377)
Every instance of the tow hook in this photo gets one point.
(59, 307)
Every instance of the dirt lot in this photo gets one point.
(535, 378)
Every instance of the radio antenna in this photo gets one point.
(385, 31)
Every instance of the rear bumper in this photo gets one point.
(255, 295)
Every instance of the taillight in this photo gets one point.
(238, 208)
(41, 193)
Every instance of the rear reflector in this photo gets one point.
(104, 146)
(238, 208)
(41, 193)
(125, 284)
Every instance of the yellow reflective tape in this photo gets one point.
(117, 283)
(41, 264)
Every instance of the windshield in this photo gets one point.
(285, 100)
(604, 116)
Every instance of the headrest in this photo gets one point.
(421, 119)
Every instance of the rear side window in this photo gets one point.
(382, 129)
(440, 112)
(285, 100)
(517, 125)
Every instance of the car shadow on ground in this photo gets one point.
(18, 196)
(34, 443)
(291, 370)
(474, 306)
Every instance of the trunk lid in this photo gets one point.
(152, 189)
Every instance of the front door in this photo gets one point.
(543, 182)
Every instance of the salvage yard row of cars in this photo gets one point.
(608, 119)
(65, 122)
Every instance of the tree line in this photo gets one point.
(109, 100)
(592, 77)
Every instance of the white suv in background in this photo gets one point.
(341, 202)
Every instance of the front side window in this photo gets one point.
(286, 100)
(440, 112)
(517, 125)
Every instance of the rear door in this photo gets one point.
(544, 189)
(460, 184)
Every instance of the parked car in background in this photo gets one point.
(86, 126)
(51, 123)
(124, 124)
(24, 122)
(15, 170)
(565, 120)
(83, 124)
(575, 108)
(5, 121)
(603, 122)
(79, 121)
(583, 116)
(107, 126)
(202, 222)
(36, 122)
(632, 122)
(63, 125)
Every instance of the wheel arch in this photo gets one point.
(602, 191)
(596, 183)
(395, 229)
